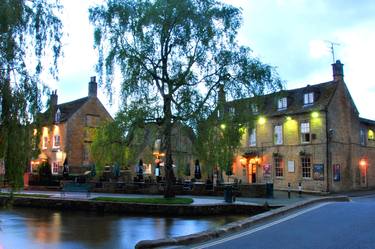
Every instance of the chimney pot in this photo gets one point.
(93, 87)
(338, 71)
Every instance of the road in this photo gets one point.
(342, 225)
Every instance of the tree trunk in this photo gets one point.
(169, 176)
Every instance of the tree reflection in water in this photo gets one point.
(42, 228)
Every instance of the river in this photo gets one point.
(27, 228)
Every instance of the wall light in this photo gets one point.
(314, 114)
(261, 120)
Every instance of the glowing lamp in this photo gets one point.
(262, 120)
(223, 126)
(314, 114)
(362, 163)
(243, 161)
(289, 118)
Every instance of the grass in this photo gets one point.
(25, 195)
(159, 200)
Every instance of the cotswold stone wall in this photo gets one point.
(133, 208)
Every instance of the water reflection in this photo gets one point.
(40, 228)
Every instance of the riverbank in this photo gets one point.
(91, 205)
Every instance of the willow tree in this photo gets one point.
(173, 54)
(27, 29)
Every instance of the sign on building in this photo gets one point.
(318, 172)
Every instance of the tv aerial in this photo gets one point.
(332, 46)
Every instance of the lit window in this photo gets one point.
(362, 137)
(57, 116)
(279, 169)
(371, 135)
(253, 137)
(55, 168)
(56, 141)
(278, 134)
(254, 108)
(308, 98)
(282, 104)
(306, 166)
(45, 143)
(305, 132)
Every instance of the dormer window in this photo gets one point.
(282, 104)
(57, 116)
(254, 108)
(232, 111)
(308, 98)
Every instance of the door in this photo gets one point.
(253, 173)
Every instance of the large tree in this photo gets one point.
(27, 30)
(174, 54)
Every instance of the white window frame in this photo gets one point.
(278, 134)
(253, 137)
(55, 168)
(308, 98)
(305, 132)
(306, 167)
(279, 168)
(282, 103)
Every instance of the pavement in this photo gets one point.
(280, 198)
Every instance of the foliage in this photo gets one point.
(217, 141)
(178, 200)
(111, 141)
(27, 30)
(174, 55)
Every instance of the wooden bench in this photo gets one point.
(76, 187)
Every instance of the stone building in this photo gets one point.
(311, 137)
(147, 146)
(66, 134)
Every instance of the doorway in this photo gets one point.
(252, 173)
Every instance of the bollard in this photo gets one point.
(300, 189)
(288, 190)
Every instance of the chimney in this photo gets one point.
(93, 87)
(53, 100)
(338, 71)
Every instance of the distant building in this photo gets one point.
(311, 136)
(147, 145)
(66, 134)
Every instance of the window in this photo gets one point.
(232, 111)
(282, 104)
(305, 132)
(371, 135)
(306, 166)
(254, 108)
(55, 168)
(44, 143)
(308, 98)
(362, 137)
(279, 169)
(253, 137)
(278, 134)
(56, 141)
(86, 151)
(57, 116)
(92, 121)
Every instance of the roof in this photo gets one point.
(367, 121)
(268, 104)
(66, 109)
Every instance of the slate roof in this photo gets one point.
(66, 109)
(268, 104)
(367, 121)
